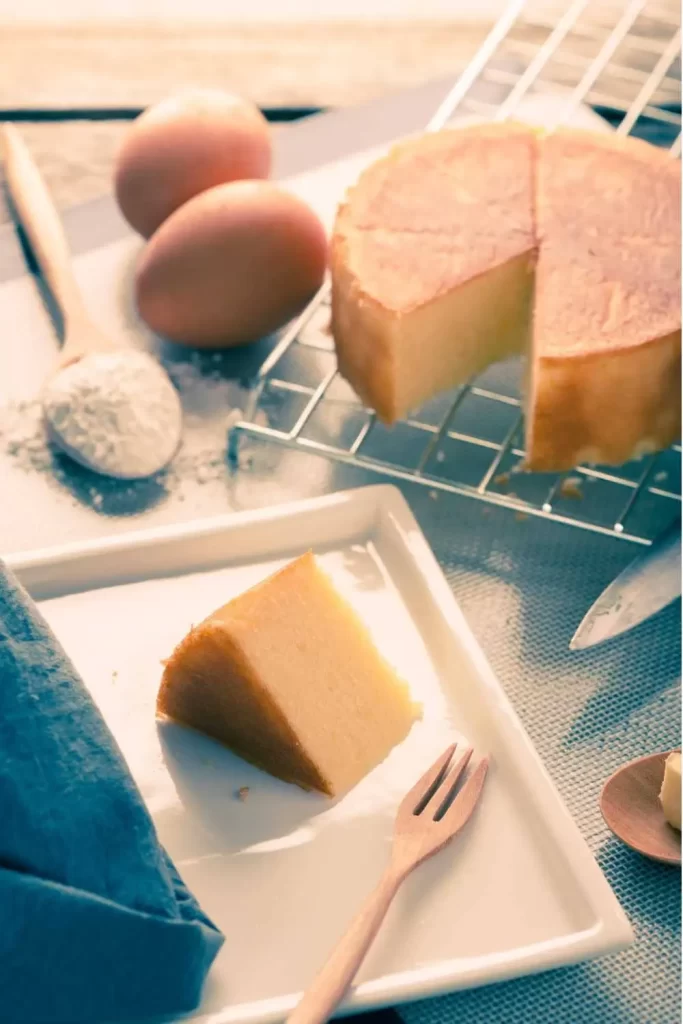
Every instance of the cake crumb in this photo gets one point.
(521, 516)
(440, 456)
(661, 476)
(242, 793)
(571, 488)
(434, 495)
(502, 480)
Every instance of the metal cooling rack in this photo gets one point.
(624, 60)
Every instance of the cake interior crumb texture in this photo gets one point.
(289, 677)
(432, 265)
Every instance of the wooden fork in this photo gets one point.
(430, 815)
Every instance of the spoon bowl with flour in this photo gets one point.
(111, 408)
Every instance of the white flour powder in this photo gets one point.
(117, 412)
(211, 405)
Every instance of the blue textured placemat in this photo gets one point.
(524, 586)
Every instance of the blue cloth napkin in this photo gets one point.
(95, 923)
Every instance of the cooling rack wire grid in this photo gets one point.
(624, 60)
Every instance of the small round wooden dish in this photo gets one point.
(630, 806)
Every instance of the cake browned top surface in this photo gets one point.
(604, 212)
(437, 211)
(617, 186)
(608, 224)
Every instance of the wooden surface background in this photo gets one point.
(49, 73)
(76, 86)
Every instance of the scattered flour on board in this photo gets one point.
(209, 403)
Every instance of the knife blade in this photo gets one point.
(648, 584)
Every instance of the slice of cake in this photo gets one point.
(606, 366)
(288, 677)
(432, 259)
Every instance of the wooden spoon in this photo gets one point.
(83, 340)
(630, 806)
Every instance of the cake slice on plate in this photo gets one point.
(288, 677)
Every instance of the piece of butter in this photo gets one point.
(670, 793)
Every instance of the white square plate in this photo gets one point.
(282, 872)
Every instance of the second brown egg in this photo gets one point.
(231, 265)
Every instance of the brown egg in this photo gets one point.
(182, 146)
(231, 265)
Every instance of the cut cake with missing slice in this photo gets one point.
(467, 246)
